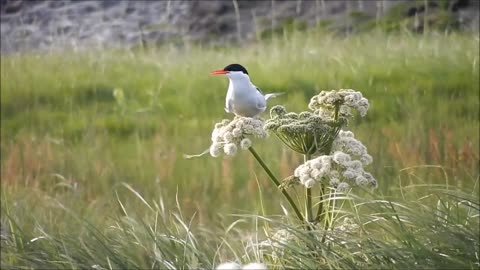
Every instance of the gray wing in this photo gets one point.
(261, 102)
(272, 95)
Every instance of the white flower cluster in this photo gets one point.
(236, 266)
(229, 135)
(348, 99)
(347, 143)
(340, 168)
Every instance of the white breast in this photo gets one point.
(244, 99)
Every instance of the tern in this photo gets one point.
(243, 97)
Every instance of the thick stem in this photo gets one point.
(277, 183)
(337, 109)
(308, 212)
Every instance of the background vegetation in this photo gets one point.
(93, 173)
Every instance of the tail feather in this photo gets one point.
(273, 95)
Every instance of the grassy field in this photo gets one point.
(90, 180)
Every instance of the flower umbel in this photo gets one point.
(312, 133)
(344, 99)
(341, 169)
(305, 133)
(230, 135)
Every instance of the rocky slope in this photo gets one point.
(49, 24)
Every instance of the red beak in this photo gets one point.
(219, 72)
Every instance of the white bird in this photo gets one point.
(243, 97)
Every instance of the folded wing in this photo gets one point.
(272, 95)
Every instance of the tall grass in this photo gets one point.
(72, 155)
(431, 227)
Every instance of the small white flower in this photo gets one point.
(325, 171)
(304, 178)
(225, 122)
(324, 114)
(355, 165)
(353, 98)
(236, 132)
(345, 111)
(260, 132)
(296, 172)
(326, 160)
(316, 174)
(345, 133)
(309, 183)
(229, 266)
(371, 180)
(341, 158)
(254, 266)
(304, 170)
(215, 149)
(346, 143)
(361, 181)
(248, 129)
(349, 174)
(217, 135)
(245, 143)
(248, 121)
(366, 159)
(230, 149)
(334, 182)
(228, 136)
(240, 121)
(362, 106)
(343, 187)
(257, 123)
(334, 174)
(316, 163)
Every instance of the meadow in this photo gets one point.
(93, 173)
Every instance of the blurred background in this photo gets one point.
(44, 24)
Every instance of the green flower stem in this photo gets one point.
(308, 198)
(309, 213)
(320, 204)
(329, 216)
(277, 183)
(337, 109)
(321, 207)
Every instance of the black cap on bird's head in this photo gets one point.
(231, 67)
(236, 67)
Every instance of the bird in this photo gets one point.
(243, 97)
